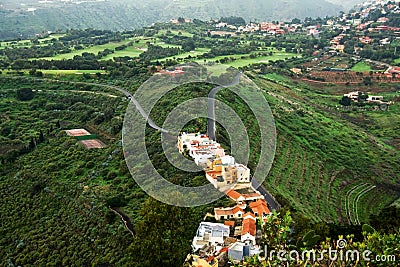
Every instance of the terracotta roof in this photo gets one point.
(237, 209)
(233, 194)
(224, 250)
(228, 211)
(249, 227)
(249, 214)
(260, 207)
(210, 258)
(252, 195)
(229, 223)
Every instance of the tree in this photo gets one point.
(25, 94)
(163, 234)
(345, 101)
(188, 45)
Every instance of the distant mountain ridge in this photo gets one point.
(23, 18)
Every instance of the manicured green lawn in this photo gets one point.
(63, 72)
(72, 72)
(361, 66)
(130, 51)
(198, 51)
(241, 62)
(93, 49)
(183, 33)
(28, 43)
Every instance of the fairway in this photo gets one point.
(130, 51)
(93, 49)
(242, 60)
(193, 54)
(28, 42)
(72, 72)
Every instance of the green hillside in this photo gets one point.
(119, 15)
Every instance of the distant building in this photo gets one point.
(365, 40)
(353, 95)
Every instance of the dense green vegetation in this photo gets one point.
(335, 168)
(313, 248)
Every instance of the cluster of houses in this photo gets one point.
(231, 232)
(355, 97)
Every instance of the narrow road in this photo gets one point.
(125, 219)
(211, 125)
(273, 204)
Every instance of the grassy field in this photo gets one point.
(174, 32)
(72, 72)
(63, 72)
(130, 51)
(193, 54)
(397, 61)
(241, 62)
(93, 49)
(28, 43)
(361, 66)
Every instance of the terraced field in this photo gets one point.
(326, 167)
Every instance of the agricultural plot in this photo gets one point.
(92, 144)
(349, 77)
(77, 132)
(329, 61)
(84, 137)
(318, 160)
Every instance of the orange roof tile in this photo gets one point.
(249, 227)
(249, 214)
(237, 209)
(233, 194)
(260, 207)
(229, 223)
(228, 211)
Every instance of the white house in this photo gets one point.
(375, 98)
(228, 213)
(243, 174)
(210, 234)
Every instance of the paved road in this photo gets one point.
(146, 116)
(211, 106)
(273, 204)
